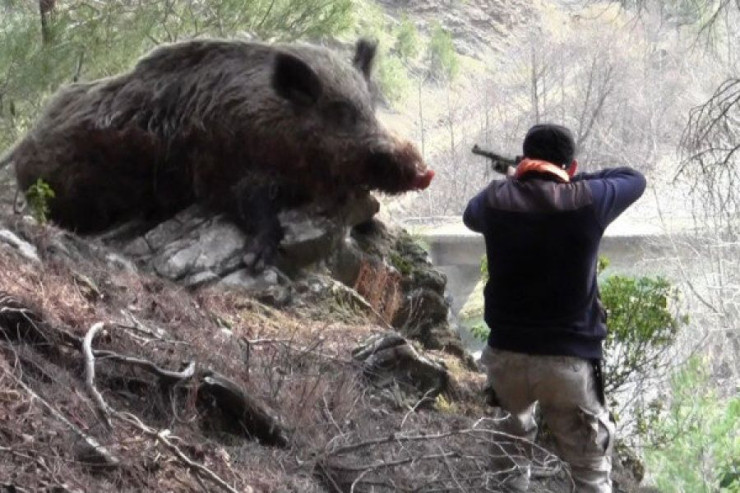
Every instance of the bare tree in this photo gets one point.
(711, 143)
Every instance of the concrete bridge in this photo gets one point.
(632, 248)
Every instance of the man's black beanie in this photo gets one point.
(549, 142)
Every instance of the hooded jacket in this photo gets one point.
(542, 240)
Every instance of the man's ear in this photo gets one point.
(365, 51)
(295, 81)
(572, 168)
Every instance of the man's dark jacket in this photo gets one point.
(542, 241)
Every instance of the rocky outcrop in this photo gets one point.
(388, 268)
(476, 26)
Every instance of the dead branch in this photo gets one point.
(97, 450)
(15, 315)
(247, 410)
(426, 398)
(104, 410)
(134, 323)
(12, 487)
(450, 469)
(455, 477)
(168, 376)
(229, 397)
(100, 404)
(161, 436)
(304, 350)
(396, 463)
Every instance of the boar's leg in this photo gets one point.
(256, 201)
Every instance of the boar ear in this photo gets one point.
(365, 50)
(295, 81)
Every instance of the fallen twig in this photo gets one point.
(339, 461)
(106, 411)
(100, 404)
(424, 399)
(135, 324)
(162, 437)
(168, 375)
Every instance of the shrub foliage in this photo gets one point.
(97, 38)
(697, 437)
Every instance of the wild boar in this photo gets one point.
(244, 128)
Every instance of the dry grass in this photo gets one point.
(295, 362)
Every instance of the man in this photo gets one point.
(542, 228)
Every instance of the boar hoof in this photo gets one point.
(258, 257)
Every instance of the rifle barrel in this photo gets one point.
(497, 159)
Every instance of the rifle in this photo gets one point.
(499, 164)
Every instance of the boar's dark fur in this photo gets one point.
(242, 127)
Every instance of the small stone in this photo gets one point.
(25, 249)
(200, 278)
(120, 262)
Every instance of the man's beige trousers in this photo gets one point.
(565, 388)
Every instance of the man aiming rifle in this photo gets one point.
(542, 228)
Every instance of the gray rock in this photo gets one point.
(120, 262)
(345, 262)
(24, 248)
(138, 248)
(360, 210)
(177, 227)
(431, 304)
(194, 246)
(215, 245)
(277, 296)
(308, 237)
(201, 278)
(245, 279)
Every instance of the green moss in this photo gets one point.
(400, 263)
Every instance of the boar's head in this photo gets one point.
(332, 117)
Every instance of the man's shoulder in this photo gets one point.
(534, 195)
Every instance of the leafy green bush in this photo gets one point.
(393, 77)
(443, 60)
(480, 331)
(407, 40)
(642, 326)
(88, 40)
(698, 436)
(38, 196)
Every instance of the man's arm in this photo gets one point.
(613, 190)
(473, 217)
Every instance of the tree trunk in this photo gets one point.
(45, 9)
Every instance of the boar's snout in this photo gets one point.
(423, 180)
(398, 168)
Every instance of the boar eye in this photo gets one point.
(342, 114)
